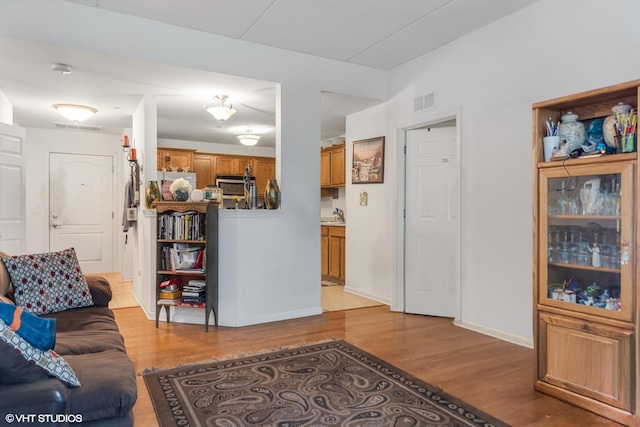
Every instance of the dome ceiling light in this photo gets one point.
(248, 138)
(221, 112)
(75, 113)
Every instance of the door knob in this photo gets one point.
(54, 225)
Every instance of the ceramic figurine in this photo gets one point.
(596, 259)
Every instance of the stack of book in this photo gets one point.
(169, 297)
(193, 293)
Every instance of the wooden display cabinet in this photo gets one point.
(192, 225)
(585, 234)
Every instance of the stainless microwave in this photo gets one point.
(232, 185)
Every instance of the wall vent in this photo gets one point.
(77, 126)
(424, 102)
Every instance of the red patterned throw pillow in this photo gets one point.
(48, 282)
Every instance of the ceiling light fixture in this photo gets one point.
(61, 68)
(221, 113)
(248, 138)
(73, 112)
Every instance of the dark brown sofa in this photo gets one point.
(89, 340)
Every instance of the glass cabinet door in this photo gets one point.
(586, 237)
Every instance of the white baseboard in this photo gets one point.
(505, 336)
(196, 316)
(366, 295)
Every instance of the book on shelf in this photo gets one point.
(193, 294)
(175, 301)
(192, 300)
(188, 225)
(193, 305)
(170, 294)
(190, 270)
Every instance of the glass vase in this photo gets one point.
(272, 194)
(152, 194)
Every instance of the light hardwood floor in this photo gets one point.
(493, 375)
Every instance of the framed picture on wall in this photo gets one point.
(368, 161)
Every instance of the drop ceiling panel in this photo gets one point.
(448, 23)
(335, 29)
(229, 18)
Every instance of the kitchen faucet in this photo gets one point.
(339, 214)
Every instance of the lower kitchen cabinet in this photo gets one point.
(324, 251)
(333, 242)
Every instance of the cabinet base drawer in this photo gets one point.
(591, 360)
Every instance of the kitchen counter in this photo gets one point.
(333, 223)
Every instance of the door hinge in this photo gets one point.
(404, 213)
(405, 149)
(112, 215)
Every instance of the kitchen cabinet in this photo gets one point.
(204, 166)
(324, 250)
(333, 243)
(332, 167)
(169, 158)
(207, 166)
(585, 274)
(192, 228)
(232, 165)
(264, 169)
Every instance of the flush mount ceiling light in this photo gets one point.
(221, 113)
(248, 138)
(61, 68)
(76, 113)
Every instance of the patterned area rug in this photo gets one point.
(327, 384)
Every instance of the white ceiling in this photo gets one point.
(375, 33)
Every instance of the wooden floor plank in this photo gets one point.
(493, 375)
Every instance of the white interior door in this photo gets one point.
(81, 211)
(12, 190)
(431, 253)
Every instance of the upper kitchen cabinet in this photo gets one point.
(264, 169)
(232, 165)
(174, 158)
(332, 167)
(204, 165)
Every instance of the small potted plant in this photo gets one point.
(180, 189)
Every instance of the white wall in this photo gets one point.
(370, 258)
(494, 75)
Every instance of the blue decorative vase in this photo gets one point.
(181, 196)
(272, 194)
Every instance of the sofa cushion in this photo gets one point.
(109, 386)
(5, 280)
(48, 360)
(15, 369)
(100, 290)
(86, 330)
(48, 282)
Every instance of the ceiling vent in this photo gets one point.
(424, 102)
(76, 126)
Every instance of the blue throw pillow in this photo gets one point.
(39, 332)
